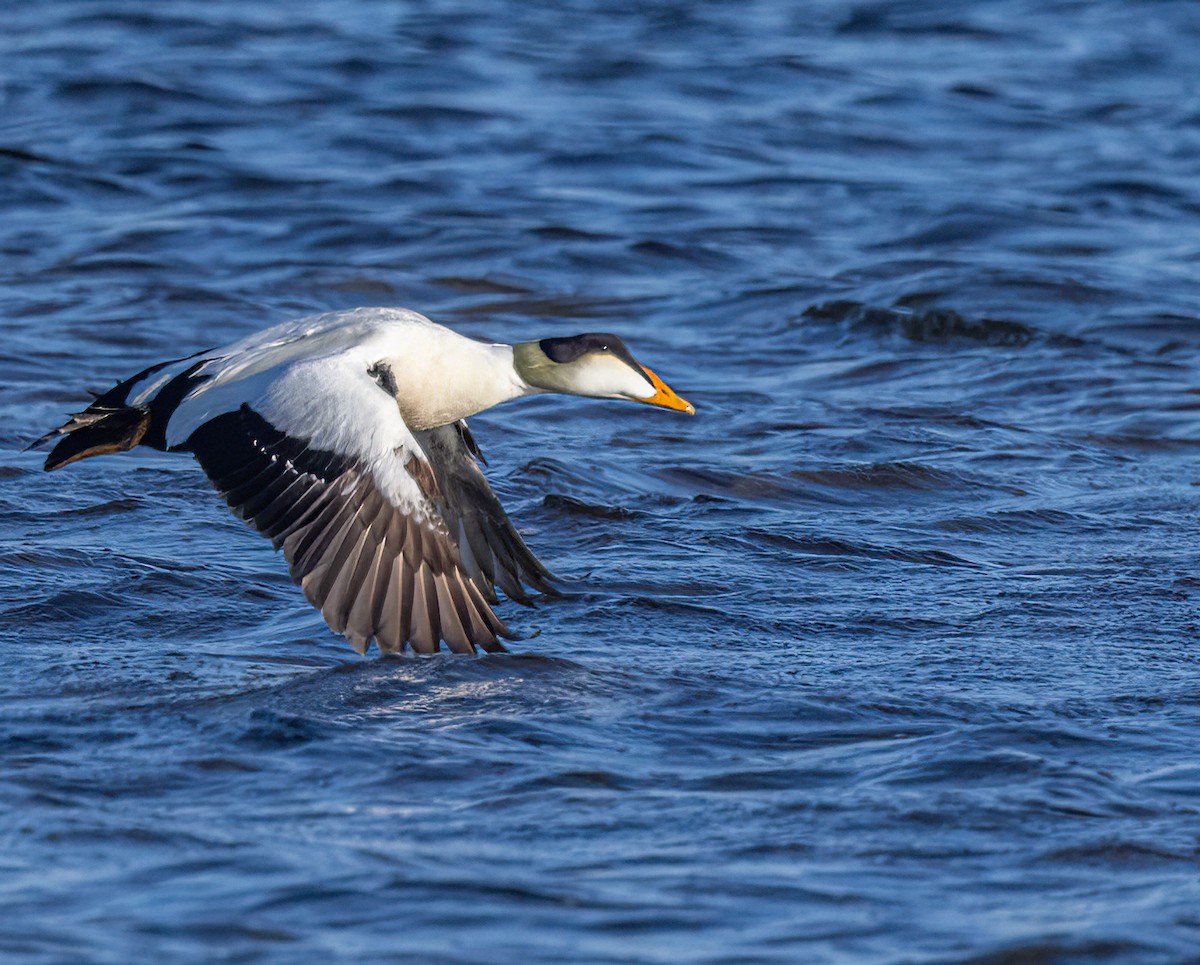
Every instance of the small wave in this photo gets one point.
(931, 325)
(577, 507)
(827, 546)
(111, 507)
(1121, 854)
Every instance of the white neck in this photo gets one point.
(457, 377)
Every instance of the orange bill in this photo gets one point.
(664, 396)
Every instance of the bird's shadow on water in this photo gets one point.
(438, 708)
(441, 686)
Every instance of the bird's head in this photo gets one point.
(596, 365)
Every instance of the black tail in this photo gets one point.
(96, 431)
(110, 424)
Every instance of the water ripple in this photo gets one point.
(886, 656)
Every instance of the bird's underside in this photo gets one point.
(376, 571)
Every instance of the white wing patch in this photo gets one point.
(338, 407)
(247, 371)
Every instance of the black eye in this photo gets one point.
(603, 348)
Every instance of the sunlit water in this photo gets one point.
(888, 655)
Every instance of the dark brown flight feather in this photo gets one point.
(374, 571)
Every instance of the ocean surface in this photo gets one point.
(890, 655)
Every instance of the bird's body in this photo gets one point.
(341, 438)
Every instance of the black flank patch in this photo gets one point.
(118, 395)
(239, 445)
(164, 404)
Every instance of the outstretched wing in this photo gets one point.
(374, 527)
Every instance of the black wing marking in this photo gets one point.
(374, 571)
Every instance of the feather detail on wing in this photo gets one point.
(491, 549)
(377, 569)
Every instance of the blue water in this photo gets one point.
(888, 655)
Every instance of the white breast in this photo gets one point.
(440, 376)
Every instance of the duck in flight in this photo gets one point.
(342, 439)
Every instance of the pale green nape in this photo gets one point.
(538, 370)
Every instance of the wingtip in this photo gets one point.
(42, 440)
(494, 646)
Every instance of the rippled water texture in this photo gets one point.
(889, 655)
